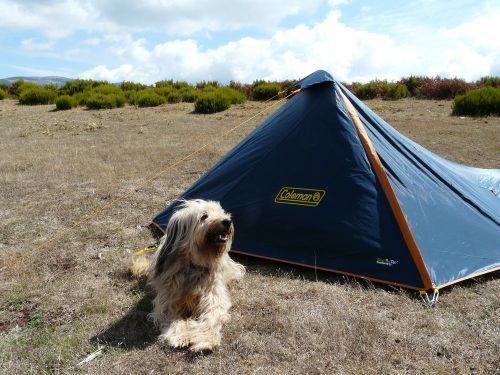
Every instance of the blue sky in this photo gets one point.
(150, 40)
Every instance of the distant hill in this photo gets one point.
(38, 80)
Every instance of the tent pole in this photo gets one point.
(389, 192)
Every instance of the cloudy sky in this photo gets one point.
(194, 40)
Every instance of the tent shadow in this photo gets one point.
(289, 271)
(134, 330)
(272, 268)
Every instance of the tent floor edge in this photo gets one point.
(305, 265)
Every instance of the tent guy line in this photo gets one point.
(14, 262)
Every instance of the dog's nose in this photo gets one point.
(226, 222)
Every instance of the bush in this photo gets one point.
(26, 86)
(104, 101)
(132, 86)
(79, 85)
(65, 102)
(80, 98)
(36, 95)
(412, 83)
(189, 94)
(164, 91)
(480, 102)
(395, 91)
(490, 81)
(14, 88)
(149, 98)
(174, 97)
(180, 85)
(234, 96)
(108, 89)
(131, 96)
(369, 90)
(3, 94)
(265, 91)
(204, 84)
(443, 88)
(211, 102)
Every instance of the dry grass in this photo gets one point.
(58, 301)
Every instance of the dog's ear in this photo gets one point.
(166, 254)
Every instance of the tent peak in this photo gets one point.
(313, 79)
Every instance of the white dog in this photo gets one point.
(190, 274)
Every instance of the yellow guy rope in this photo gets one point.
(86, 218)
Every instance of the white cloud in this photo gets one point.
(55, 19)
(33, 45)
(59, 18)
(92, 41)
(113, 75)
(336, 3)
(347, 53)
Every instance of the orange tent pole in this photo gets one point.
(389, 192)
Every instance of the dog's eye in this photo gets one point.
(203, 217)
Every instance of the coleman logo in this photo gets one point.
(300, 196)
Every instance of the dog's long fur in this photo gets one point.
(190, 273)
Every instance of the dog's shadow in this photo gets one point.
(134, 330)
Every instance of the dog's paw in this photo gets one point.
(174, 341)
(240, 271)
(176, 335)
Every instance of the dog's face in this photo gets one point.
(213, 234)
(199, 229)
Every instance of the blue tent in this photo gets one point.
(324, 182)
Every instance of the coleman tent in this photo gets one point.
(324, 182)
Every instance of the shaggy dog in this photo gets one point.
(190, 273)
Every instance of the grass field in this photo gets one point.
(60, 299)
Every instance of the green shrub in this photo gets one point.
(79, 85)
(490, 81)
(108, 89)
(132, 86)
(14, 88)
(234, 96)
(164, 91)
(26, 86)
(3, 94)
(480, 102)
(51, 87)
(379, 89)
(36, 95)
(180, 85)
(174, 97)
(81, 98)
(165, 83)
(368, 90)
(131, 96)
(149, 98)
(211, 102)
(99, 100)
(120, 100)
(204, 84)
(412, 83)
(189, 94)
(65, 102)
(395, 91)
(266, 91)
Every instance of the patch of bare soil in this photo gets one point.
(60, 299)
